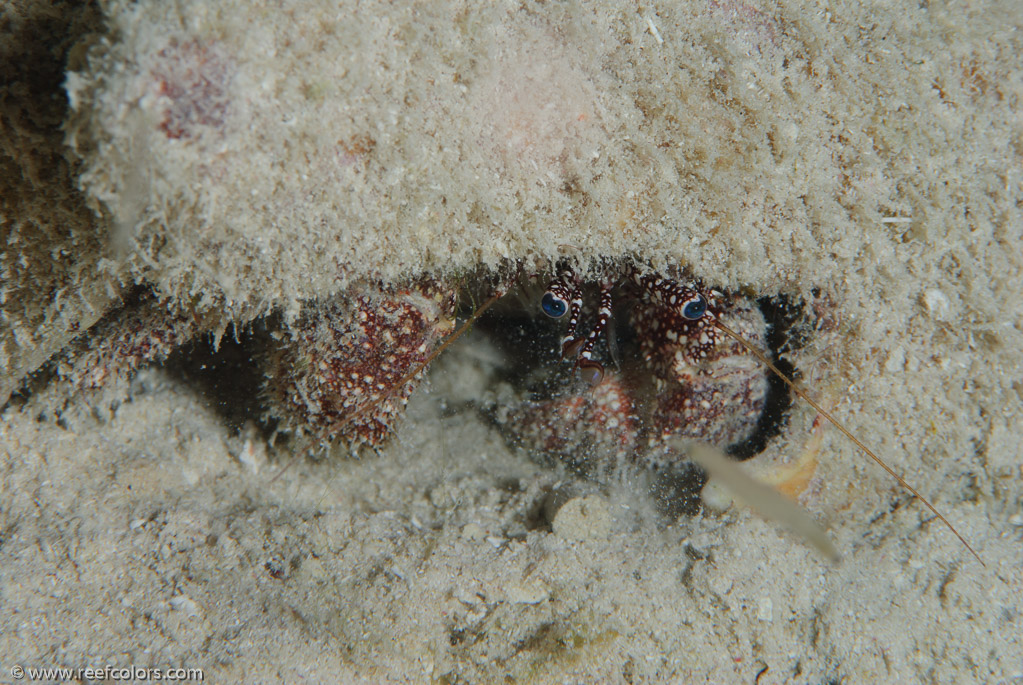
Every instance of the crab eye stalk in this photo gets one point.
(695, 308)
(553, 306)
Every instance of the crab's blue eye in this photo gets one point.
(553, 306)
(695, 308)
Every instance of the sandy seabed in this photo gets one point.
(870, 153)
(152, 535)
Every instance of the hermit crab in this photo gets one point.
(680, 376)
(697, 366)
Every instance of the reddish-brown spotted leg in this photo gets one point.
(564, 296)
(593, 371)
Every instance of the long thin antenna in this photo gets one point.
(796, 389)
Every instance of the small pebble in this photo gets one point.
(583, 518)
(765, 609)
(530, 592)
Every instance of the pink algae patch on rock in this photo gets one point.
(535, 108)
(192, 82)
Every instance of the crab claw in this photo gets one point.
(592, 371)
(570, 347)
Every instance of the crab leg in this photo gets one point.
(564, 296)
(593, 370)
